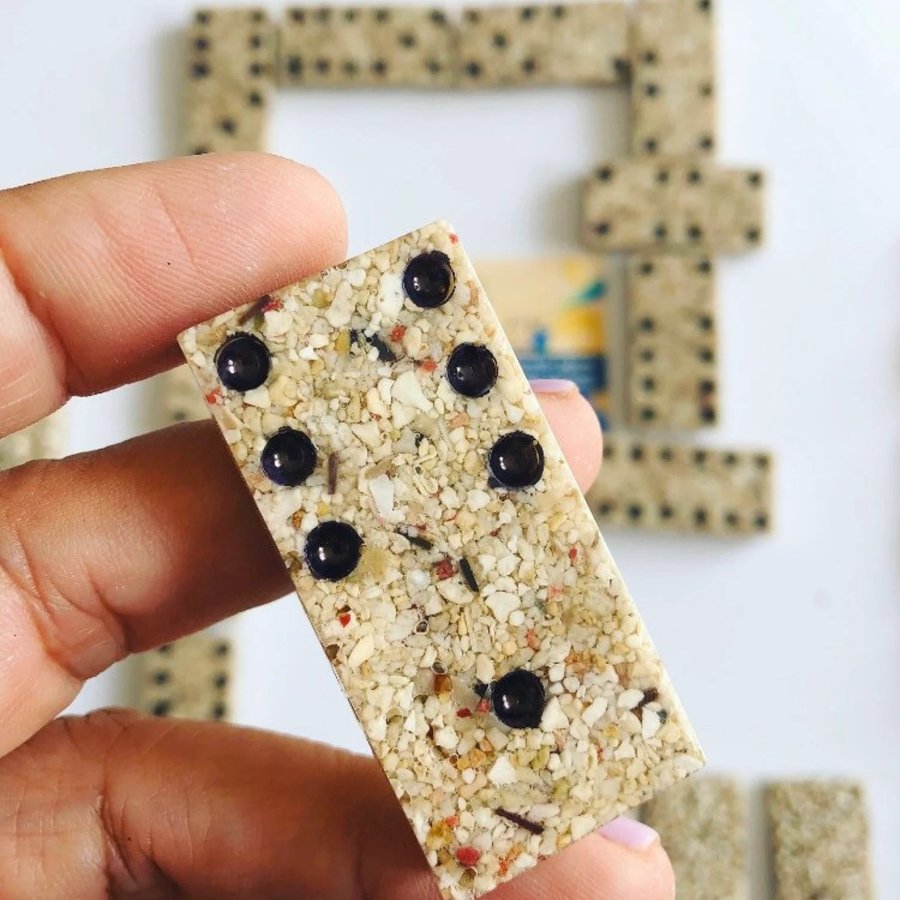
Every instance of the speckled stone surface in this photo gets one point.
(661, 204)
(662, 485)
(324, 46)
(576, 43)
(702, 823)
(673, 64)
(820, 840)
(672, 349)
(460, 582)
(227, 80)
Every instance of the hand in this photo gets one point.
(110, 553)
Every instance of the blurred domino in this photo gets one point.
(671, 349)
(187, 679)
(702, 823)
(45, 439)
(820, 840)
(445, 556)
(356, 46)
(663, 486)
(673, 107)
(579, 43)
(176, 398)
(228, 77)
(646, 204)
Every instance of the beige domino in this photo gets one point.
(655, 204)
(671, 349)
(228, 76)
(458, 596)
(187, 679)
(820, 840)
(702, 823)
(366, 46)
(175, 398)
(673, 107)
(578, 43)
(666, 486)
(45, 439)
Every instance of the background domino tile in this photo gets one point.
(673, 104)
(671, 347)
(554, 313)
(820, 840)
(187, 679)
(702, 823)
(356, 46)
(582, 43)
(228, 76)
(665, 486)
(644, 204)
(225, 121)
(174, 398)
(482, 633)
(45, 439)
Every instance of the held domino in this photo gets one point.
(445, 556)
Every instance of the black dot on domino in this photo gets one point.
(429, 280)
(243, 362)
(517, 460)
(472, 370)
(289, 457)
(518, 699)
(333, 550)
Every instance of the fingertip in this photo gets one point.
(629, 833)
(108, 266)
(576, 426)
(306, 190)
(290, 203)
(596, 868)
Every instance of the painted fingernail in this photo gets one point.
(557, 386)
(629, 833)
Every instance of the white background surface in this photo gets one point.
(787, 649)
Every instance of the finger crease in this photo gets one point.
(173, 222)
(128, 870)
(43, 605)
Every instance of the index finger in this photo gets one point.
(100, 270)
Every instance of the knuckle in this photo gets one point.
(67, 611)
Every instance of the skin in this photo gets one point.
(108, 553)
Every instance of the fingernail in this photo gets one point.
(629, 833)
(558, 386)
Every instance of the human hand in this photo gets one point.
(116, 551)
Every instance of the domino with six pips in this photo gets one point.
(445, 556)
